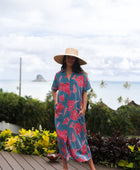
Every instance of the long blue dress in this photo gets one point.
(70, 126)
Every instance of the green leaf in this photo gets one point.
(137, 157)
(122, 163)
(130, 165)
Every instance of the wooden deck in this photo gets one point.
(14, 161)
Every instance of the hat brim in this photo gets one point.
(59, 59)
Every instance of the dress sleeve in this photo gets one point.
(87, 85)
(55, 84)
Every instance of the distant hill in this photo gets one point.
(39, 78)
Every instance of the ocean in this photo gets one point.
(109, 94)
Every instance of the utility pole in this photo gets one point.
(20, 77)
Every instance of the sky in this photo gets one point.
(105, 32)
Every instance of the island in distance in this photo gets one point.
(39, 78)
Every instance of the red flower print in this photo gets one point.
(61, 98)
(78, 128)
(64, 150)
(58, 124)
(73, 77)
(81, 160)
(70, 105)
(59, 107)
(84, 149)
(85, 130)
(74, 89)
(57, 114)
(73, 153)
(73, 137)
(85, 83)
(80, 81)
(62, 134)
(74, 115)
(65, 110)
(89, 155)
(71, 125)
(65, 87)
(69, 142)
(66, 121)
(84, 141)
(60, 78)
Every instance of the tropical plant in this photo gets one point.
(111, 150)
(120, 99)
(103, 84)
(30, 142)
(133, 161)
(3, 136)
(127, 100)
(126, 85)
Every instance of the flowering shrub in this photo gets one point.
(3, 136)
(30, 142)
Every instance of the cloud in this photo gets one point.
(105, 32)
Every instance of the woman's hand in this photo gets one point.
(82, 112)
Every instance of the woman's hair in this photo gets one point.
(76, 68)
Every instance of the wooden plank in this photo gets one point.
(56, 164)
(32, 162)
(13, 163)
(43, 162)
(69, 166)
(76, 165)
(84, 164)
(22, 161)
(3, 163)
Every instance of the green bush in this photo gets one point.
(101, 119)
(28, 112)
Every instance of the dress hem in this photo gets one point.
(74, 159)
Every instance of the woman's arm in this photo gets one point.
(54, 93)
(84, 106)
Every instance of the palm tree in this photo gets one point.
(127, 100)
(120, 99)
(126, 85)
(91, 94)
(103, 84)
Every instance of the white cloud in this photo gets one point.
(125, 64)
(105, 32)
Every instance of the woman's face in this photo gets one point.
(70, 60)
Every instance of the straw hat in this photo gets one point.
(69, 52)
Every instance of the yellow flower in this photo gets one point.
(45, 140)
(29, 133)
(10, 143)
(5, 133)
(22, 131)
(46, 150)
(51, 151)
(139, 149)
(46, 132)
(54, 134)
(131, 148)
(35, 133)
(36, 151)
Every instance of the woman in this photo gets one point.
(70, 106)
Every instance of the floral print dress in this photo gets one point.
(70, 126)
